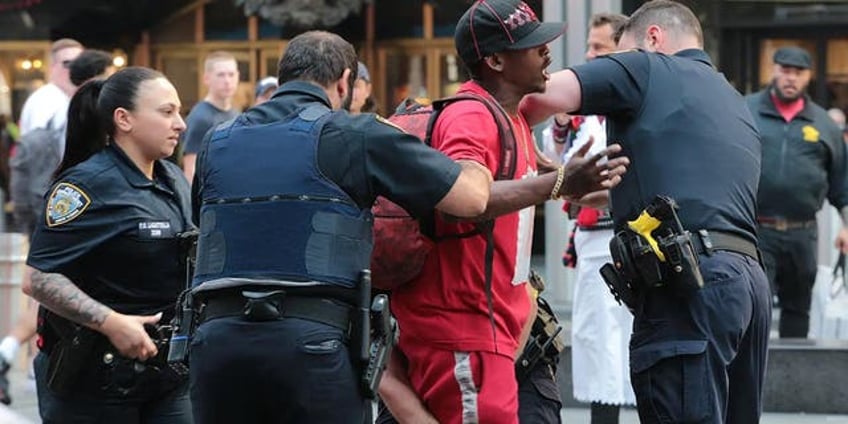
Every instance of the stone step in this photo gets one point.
(809, 376)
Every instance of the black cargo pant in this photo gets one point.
(791, 258)
(702, 358)
(287, 370)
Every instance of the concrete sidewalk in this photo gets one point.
(581, 416)
(25, 405)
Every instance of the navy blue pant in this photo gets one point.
(791, 261)
(281, 371)
(702, 358)
(155, 399)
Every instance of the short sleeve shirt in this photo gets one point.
(47, 106)
(446, 307)
(687, 131)
(199, 121)
(113, 232)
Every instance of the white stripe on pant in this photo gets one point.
(462, 372)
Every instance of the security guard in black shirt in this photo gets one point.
(804, 161)
(697, 355)
(282, 196)
(106, 261)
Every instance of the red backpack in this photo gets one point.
(401, 242)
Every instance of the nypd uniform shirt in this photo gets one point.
(112, 232)
(688, 133)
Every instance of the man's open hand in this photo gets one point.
(586, 175)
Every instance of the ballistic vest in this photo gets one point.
(268, 213)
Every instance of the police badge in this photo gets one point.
(65, 203)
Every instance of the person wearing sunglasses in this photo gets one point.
(48, 105)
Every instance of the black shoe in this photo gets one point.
(5, 397)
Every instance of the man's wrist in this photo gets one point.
(560, 179)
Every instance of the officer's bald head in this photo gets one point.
(680, 26)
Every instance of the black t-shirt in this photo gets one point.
(112, 232)
(687, 131)
(203, 116)
(364, 154)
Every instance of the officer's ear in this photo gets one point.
(343, 85)
(122, 119)
(654, 38)
(495, 62)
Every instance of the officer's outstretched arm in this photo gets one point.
(469, 195)
(563, 94)
(581, 176)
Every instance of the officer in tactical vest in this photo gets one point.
(282, 197)
(685, 253)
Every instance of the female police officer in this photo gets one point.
(105, 259)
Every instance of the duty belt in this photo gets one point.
(602, 224)
(707, 242)
(323, 310)
(781, 224)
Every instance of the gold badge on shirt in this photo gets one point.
(811, 134)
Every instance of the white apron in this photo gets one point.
(601, 327)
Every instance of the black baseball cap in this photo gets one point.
(492, 26)
(792, 56)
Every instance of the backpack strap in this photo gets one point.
(506, 171)
(506, 132)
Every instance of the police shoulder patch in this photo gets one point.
(66, 202)
(387, 122)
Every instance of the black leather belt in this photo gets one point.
(706, 242)
(781, 224)
(323, 310)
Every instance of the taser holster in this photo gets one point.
(653, 251)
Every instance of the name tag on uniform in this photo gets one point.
(155, 229)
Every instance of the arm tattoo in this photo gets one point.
(57, 293)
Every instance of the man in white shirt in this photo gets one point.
(46, 107)
(49, 104)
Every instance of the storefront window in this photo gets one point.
(452, 74)
(22, 70)
(837, 73)
(183, 73)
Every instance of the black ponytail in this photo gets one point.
(90, 115)
(85, 133)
